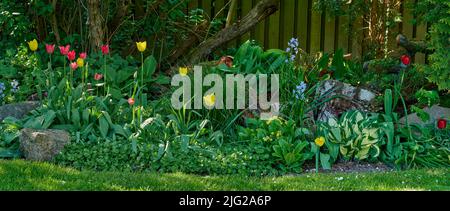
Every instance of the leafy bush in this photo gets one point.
(285, 142)
(437, 13)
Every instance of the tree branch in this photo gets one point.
(261, 11)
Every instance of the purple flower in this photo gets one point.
(299, 91)
(292, 49)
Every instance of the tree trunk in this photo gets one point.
(261, 11)
(96, 33)
(54, 22)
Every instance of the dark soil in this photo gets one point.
(350, 166)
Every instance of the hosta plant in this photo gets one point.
(356, 134)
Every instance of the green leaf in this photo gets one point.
(325, 161)
(184, 142)
(338, 64)
(104, 126)
(149, 66)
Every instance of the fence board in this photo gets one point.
(357, 37)
(246, 6)
(316, 19)
(302, 23)
(260, 30)
(421, 32)
(407, 18)
(274, 30)
(287, 22)
(343, 32)
(330, 31)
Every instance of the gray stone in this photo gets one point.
(42, 145)
(350, 98)
(436, 112)
(17, 110)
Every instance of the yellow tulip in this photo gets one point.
(80, 62)
(141, 46)
(210, 100)
(33, 44)
(183, 71)
(320, 141)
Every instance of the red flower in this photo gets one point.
(73, 65)
(406, 60)
(83, 55)
(71, 55)
(50, 48)
(98, 77)
(64, 50)
(442, 124)
(131, 101)
(105, 49)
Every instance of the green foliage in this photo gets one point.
(437, 13)
(282, 138)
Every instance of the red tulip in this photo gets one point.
(64, 50)
(83, 55)
(105, 49)
(73, 65)
(131, 101)
(442, 124)
(50, 48)
(406, 60)
(98, 77)
(71, 55)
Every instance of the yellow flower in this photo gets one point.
(210, 100)
(33, 44)
(273, 118)
(183, 71)
(141, 46)
(320, 141)
(80, 62)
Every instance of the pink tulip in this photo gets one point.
(71, 55)
(50, 48)
(131, 101)
(83, 55)
(98, 77)
(73, 65)
(64, 50)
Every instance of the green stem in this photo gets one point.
(142, 70)
(317, 160)
(105, 75)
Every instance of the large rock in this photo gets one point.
(17, 110)
(436, 112)
(351, 98)
(42, 145)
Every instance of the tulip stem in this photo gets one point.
(142, 70)
(105, 73)
(317, 160)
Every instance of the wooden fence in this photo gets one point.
(316, 32)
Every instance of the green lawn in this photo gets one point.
(23, 175)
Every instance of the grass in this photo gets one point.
(24, 175)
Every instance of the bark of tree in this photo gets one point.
(96, 31)
(54, 22)
(187, 44)
(261, 11)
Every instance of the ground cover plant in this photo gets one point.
(108, 84)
